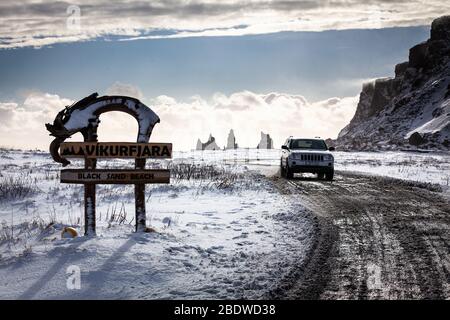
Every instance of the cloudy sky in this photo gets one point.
(284, 67)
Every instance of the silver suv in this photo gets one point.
(307, 155)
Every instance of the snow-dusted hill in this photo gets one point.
(413, 108)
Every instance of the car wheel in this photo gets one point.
(320, 176)
(329, 176)
(282, 171)
(289, 173)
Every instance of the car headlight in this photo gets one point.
(328, 157)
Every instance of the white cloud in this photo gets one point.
(40, 23)
(124, 89)
(182, 123)
(248, 113)
(23, 125)
(37, 108)
(7, 112)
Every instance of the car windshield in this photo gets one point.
(308, 144)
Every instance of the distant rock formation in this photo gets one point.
(199, 145)
(231, 141)
(413, 108)
(208, 145)
(265, 142)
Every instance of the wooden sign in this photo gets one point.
(92, 150)
(83, 116)
(114, 176)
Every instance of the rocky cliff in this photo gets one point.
(411, 110)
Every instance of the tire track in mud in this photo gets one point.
(377, 238)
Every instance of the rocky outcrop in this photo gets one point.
(265, 142)
(410, 110)
(416, 139)
(208, 145)
(231, 141)
(439, 29)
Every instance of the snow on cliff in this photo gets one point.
(413, 108)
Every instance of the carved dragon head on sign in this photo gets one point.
(83, 116)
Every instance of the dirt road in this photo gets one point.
(377, 238)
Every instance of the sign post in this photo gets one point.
(84, 117)
(139, 195)
(139, 176)
(89, 193)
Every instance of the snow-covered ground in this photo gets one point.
(412, 166)
(422, 167)
(225, 233)
(229, 235)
